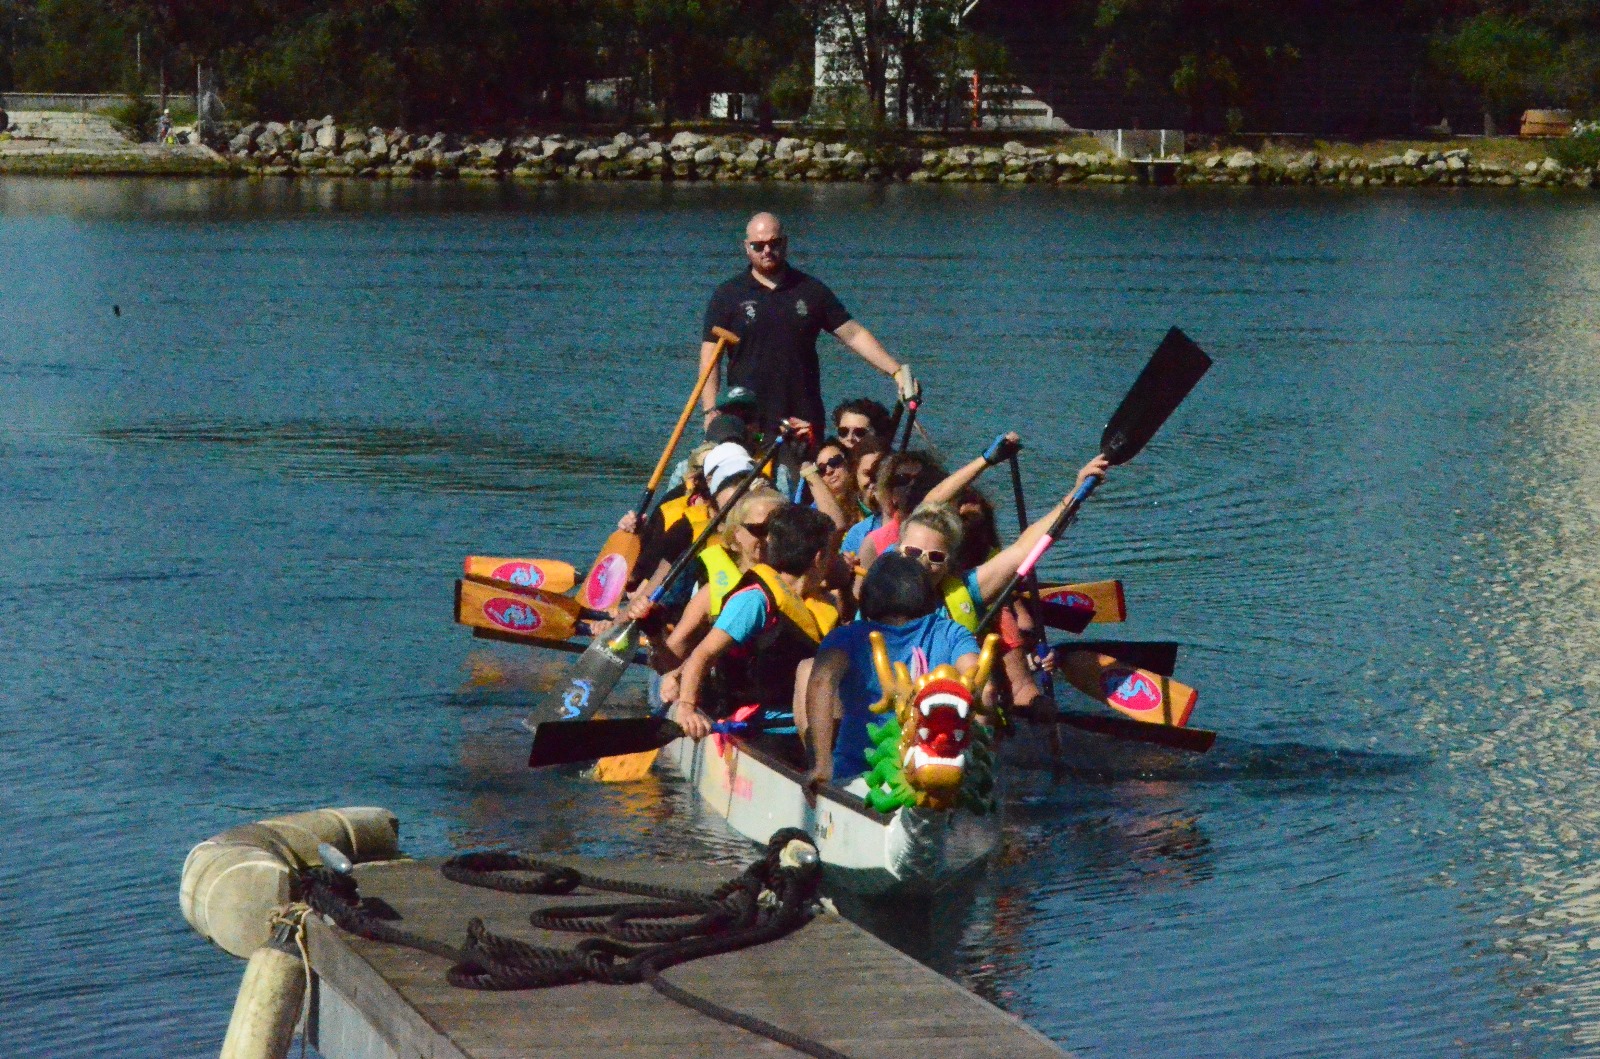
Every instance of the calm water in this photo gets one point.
(231, 515)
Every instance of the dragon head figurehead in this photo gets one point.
(935, 715)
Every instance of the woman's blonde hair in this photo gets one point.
(697, 459)
(761, 492)
(943, 519)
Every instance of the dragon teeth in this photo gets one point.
(954, 702)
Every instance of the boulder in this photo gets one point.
(327, 137)
(356, 158)
(239, 144)
(1393, 161)
(1454, 162)
(1412, 158)
(308, 142)
(610, 151)
(688, 139)
(705, 155)
(586, 156)
(275, 128)
(622, 141)
(1014, 147)
(1241, 160)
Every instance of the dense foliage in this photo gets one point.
(485, 63)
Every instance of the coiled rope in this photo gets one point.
(630, 941)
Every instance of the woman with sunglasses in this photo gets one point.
(862, 424)
(833, 483)
(718, 570)
(904, 482)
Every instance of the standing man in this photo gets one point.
(778, 312)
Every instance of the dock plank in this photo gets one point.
(831, 981)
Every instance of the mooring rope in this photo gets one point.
(629, 942)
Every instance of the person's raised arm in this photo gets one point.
(1001, 449)
(996, 573)
(827, 503)
(822, 699)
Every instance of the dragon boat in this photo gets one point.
(925, 815)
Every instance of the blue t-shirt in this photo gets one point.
(922, 645)
(858, 533)
(743, 614)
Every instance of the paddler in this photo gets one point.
(863, 425)
(767, 628)
(778, 312)
(897, 601)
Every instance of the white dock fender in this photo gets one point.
(233, 882)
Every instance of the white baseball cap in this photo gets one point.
(725, 461)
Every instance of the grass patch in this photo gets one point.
(110, 165)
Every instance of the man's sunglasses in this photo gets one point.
(935, 557)
(837, 463)
(762, 245)
(856, 432)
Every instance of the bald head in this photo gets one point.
(766, 246)
(763, 226)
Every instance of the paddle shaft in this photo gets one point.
(911, 421)
(725, 338)
(1042, 649)
(1069, 511)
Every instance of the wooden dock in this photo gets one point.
(831, 981)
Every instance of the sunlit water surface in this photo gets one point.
(231, 516)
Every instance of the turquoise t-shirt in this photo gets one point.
(858, 533)
(922, 645)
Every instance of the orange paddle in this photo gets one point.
(551, 575)
(515, 615)
(603, 586)
(1134, 692)
(1105, 598)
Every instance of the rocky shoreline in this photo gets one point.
(323, 148)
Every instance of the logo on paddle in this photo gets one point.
(606, 582)
(525, 574)
(1130, 690)
(1076, 600)
(512, 614)
(576, 700)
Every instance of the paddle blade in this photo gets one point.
(569, 742)
(608, 577)
(591, 680)
(510, 615)
(565, 604)
(1158, 656)
(1166, 380)
(548, 574)
(1137, 693)
(1194, 740)
(1098, 601)
(625, 768)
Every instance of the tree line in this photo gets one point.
(488, 63)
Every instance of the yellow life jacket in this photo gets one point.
(959, 604)
(685, 507)
(722, 574)
(762, 670)
(826, 613)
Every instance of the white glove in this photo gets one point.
(910, 389)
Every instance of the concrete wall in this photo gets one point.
(80, 101)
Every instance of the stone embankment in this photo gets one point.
(323, 147)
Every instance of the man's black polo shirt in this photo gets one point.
(777, 352)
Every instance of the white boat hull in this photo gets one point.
(912, 851)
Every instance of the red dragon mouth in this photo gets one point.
(936, 748)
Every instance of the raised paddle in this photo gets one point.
(551, 575)
(608, 577)
(597, 672)
(1166, 380)
(569, 742)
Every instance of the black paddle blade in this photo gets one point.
(1174, 368)
(571, 742)
(1158, 656)
(1193, 740)
(1059, 614)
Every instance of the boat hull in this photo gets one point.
(910, 852)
